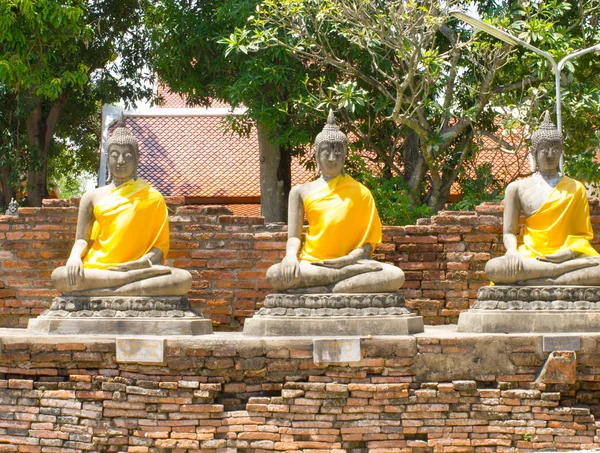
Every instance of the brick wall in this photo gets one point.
(223, 395)
(443, 258)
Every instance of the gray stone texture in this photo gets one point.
(533, 309)
(333, 315)
(120, 316)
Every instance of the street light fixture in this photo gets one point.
(510, 39)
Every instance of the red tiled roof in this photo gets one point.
(173, 100)
(197, 157)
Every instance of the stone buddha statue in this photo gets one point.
(556, 248)
(122, 234)
(343, 229)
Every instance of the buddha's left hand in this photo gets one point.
(132, 265)
(338, 263)
(559, 257)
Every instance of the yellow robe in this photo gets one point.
(342, 216)
(563, 222)
(129, 221)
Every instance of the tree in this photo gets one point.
(189, 56)
(420, 75)
(13, 140)
(59, 53)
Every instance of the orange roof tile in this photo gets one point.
(198, 157)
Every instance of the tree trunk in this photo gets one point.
(275, 178)
(37, 188)
(415, 167)
(8, 191)
(40, 133)
(436, 200)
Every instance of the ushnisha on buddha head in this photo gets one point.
(546, 146)
(123, 154)
(331, 148)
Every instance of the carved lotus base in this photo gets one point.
(333, 315)
(72, 315)
(530, 309)
(121, 307)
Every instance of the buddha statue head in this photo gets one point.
(123, 153)
(546, 149)
(331, 148)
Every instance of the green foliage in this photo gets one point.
(585, 166)
(414, 71)
(61, 59)
(37, 40)
(391, 194)
(73, 185)
(199, 49)
(477, 188)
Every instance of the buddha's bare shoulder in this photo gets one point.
(520, 184)
(93, 196)
(303, 190)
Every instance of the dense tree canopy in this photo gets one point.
(59, 55)
(413, 85)
(421, 84)
(190, 56)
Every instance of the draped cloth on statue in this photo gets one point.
(563, 222)
(130, 221)
(342, 216)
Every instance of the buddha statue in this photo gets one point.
(556, 248)
(343, 229)
(122, 234)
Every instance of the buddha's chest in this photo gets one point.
(533, 194)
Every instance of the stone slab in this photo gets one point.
(140, 350)
(120, 326)
(336, 350)
(529, 321)
(266, 326)
(551, 343)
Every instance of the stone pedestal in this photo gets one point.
(120, 316)
(333, 315)
(533, 309)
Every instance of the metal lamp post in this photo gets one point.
(510, 39)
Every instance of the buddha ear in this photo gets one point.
(532, 161)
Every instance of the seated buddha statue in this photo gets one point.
(122, 234)
(343, 229)
(556, 248)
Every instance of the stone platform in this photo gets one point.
(72, 315)
(333, 315)
(529, 309)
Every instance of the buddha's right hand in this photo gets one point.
(514, 262)
(74, 270)
(290, 269)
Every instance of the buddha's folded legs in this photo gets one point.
(388, 279)
(536, 272)
(153, 281)
(353, 278)
(588, 276)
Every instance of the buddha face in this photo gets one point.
(330, 158)
(122, 162)
(548, 154)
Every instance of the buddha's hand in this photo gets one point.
(132, 265)
(514, 262)
(74, 269)
(290, 269)
(559, 257)
(338, 263)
